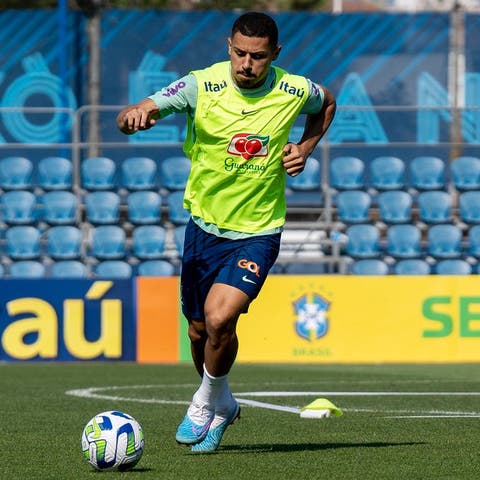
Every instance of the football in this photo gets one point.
(112, 441)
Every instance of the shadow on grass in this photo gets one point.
(305, 447)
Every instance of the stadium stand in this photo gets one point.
(369, 266)
(176, 213)
(387, 173)
(98, 173)
(18, 207)
(114, 269)
(59, 207)
(108, 242)
(395, 206)
(435, 207)
(64, 242)
(347, 173)
(412, 266)
(363, 241)
(156, 268)
(465, 173)
(16, 173)
(148, 242)
(27, 269)
(453, 266)
(444, 241)
(139, 173)
(427, 173)
(144, 207)
(68, 269)
(102, 207)
(469, 207)
(55, 173)
(353, 206)
(404, 241)
(174, 172)
(23, 242)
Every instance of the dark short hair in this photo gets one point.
(257, 24)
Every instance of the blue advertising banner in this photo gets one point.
(67, 320)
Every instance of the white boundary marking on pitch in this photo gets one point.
(96, 393)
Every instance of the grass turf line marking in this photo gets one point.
(95, 392)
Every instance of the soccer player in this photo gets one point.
(239, 115)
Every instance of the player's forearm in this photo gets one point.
(317, 124)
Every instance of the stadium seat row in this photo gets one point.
(405, 241)
(106, 242)
(76, 269)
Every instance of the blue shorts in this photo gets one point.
(208, 259)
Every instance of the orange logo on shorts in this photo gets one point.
(250, 266)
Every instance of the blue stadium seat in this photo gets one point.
(98, 173)
(144, 207)
(156, 268)
(469, 207)
(176, 213)
(2, 271)
(27, 269)
(404, 241)
(353, 206)
(55, 173)
(309, 179)
(427, 173)
(59, 207)
(108, 242)
(179, 238)
(435, 207)
(453, 266)
(174, 172)
(69, 269)
(18, 207)
(347, 173)
(369, 266)
(15, 173)
(466, 173)
(64, 242)
(23, 242)
(102, 208)
(139, 173)
(444, 241)
(395, 206)
(387, 173)
(114, 269)
(474, 241)
(363, 241)
(148, 242)
(412, 266)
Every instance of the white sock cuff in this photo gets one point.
(212, 378)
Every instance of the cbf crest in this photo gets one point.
(311, 311)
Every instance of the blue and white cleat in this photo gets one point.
(189, 432)
(216, 431)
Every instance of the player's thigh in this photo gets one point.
(223, 306)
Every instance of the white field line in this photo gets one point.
(97, 393)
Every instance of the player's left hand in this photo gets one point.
(294, 159)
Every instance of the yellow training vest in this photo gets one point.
(237, 180)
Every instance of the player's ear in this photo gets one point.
(229, 41)
(276, 52)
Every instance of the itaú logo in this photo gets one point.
(249, 145)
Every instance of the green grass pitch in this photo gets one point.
(399, 422)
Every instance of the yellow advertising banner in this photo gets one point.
(340, 319)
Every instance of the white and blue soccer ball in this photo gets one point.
(113, 440)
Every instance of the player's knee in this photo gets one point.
(197, 332)
(220, 328)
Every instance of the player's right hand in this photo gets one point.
(132, 120)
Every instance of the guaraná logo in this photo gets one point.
(249, 145)
(311, 321)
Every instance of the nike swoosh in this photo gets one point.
(245, 279)
(246, 112)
